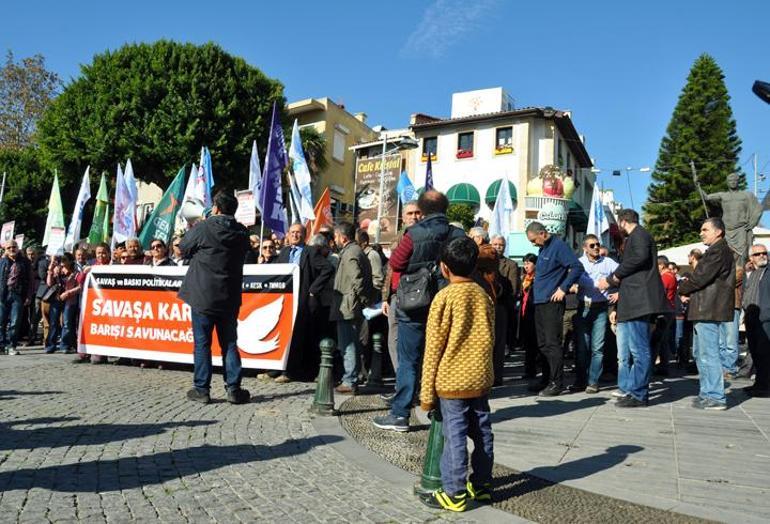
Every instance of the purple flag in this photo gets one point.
(429, 174)
(270, 196)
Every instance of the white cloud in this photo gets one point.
(443, 23)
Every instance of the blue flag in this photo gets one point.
(204, 182)
(429, 174)
(255, 176)
(405, 188)
(270, 195)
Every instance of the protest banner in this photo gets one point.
(19, 241)
(56, 238)
(368, 171)
(6, 233)
(134, 312)
(246, 213)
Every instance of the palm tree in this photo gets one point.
(314, 145)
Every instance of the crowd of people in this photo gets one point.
(37, 288)
(453, 307)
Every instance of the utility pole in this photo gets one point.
(756, 177)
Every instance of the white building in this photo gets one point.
(486, 140)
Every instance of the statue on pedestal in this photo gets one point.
(741, 212)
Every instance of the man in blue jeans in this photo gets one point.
(728, 332)
(216, 248)
(419, 248)
(14, 295)
(641, 298)
(353, 291)
(710, 291)
(591, 318)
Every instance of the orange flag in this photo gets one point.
(323, 213)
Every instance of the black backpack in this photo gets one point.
(416, 290)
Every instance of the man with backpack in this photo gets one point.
(416, 259)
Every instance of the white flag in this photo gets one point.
(204, 182)
(255, 176)
(597, 220)
(502, 213)
(133, 191)
(303, 194)
(119, 227)
(84, 195)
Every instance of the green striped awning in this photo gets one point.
(494, 188)
(464, 193)
(577, 216)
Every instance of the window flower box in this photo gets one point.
(503, 150)
(433, 157)
(464, 153)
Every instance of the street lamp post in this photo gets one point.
(628, 180)
(402, 144)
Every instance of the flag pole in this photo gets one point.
(2, 189)
(262, 195)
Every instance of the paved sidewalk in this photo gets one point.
(714, 465)
(84, 443)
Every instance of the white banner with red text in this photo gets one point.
(134, 312)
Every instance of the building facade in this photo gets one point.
(342, 130)
(486, 140)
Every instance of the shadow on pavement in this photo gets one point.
(79, 435)
(546, 408)
(134, 472)
(262, 397)
(518, 484)
(9, 394)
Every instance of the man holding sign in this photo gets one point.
(216, 248)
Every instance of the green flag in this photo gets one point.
(99, 233)
(55, 221)
(106, 226)
(160, 225)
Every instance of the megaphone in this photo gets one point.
(762, 90)
(193, 210)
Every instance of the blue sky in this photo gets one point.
(619, 66)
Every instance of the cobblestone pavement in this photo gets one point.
(521, 493)
(119, 444)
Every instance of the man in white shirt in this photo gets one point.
(591, 318)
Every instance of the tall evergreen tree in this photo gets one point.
(701, 130)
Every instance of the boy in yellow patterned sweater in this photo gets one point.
(457, 375)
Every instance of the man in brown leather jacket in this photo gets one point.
(710, 291)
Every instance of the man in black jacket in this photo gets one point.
(710, 291)
(14, 295)
(216, 248)
(641, 298)
(756, 305)
(314, 273)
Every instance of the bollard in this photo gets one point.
(323, 402)
(375, 369)
(430, 480)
